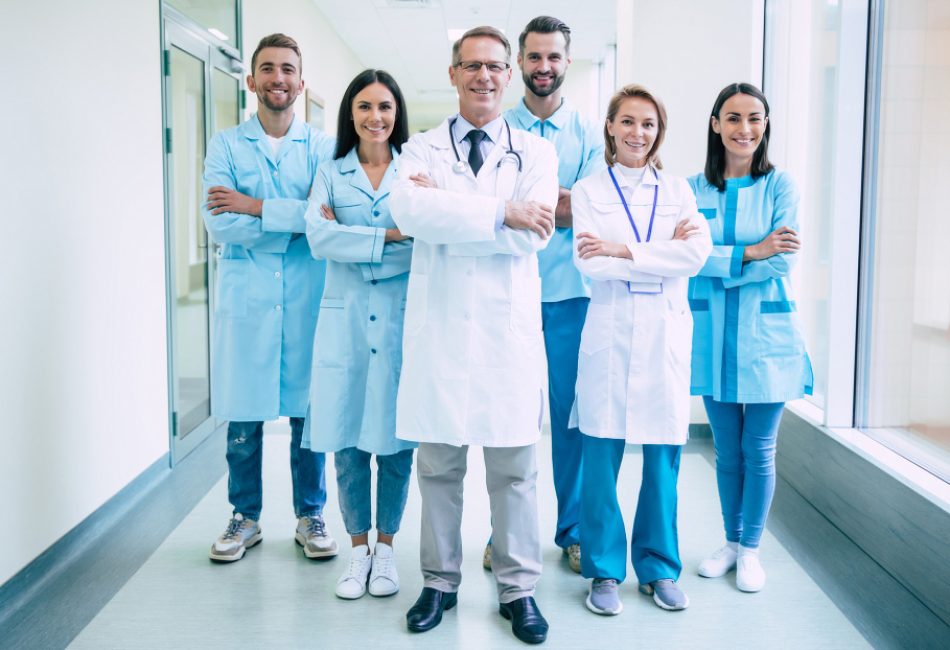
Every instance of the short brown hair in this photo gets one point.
(276, 40)
(484, 30)
(634, 90)
(545, 25)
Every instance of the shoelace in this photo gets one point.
(383, 565)
(234, 527)
(606, 582)
(316, 526)
(721, 553)
(354, 569)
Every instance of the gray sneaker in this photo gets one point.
(573, 553)
(313, 536)
(240, 535)
(486, 557)
(666, 594)
(604, 597)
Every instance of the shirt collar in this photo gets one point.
(527, 119)
(492, 129)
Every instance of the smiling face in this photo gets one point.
(374, 113)
(276, 80)
(741, 125)
(480, 92)
(544, 62)
(634, 130)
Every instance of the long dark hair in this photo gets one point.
(346, 137)
(716, 150)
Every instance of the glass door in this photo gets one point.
(201, 97)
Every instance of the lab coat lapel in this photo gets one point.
(358, 179)
(253, 130)
(296, 133)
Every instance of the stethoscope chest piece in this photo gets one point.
(460, 167)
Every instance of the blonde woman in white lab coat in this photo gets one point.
(638, 238)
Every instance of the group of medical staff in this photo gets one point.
(449, 269)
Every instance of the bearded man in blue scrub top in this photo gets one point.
(544, 56)
(257, 178)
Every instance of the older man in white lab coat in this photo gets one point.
(478, 198)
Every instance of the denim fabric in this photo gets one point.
(654, 543)
(245, 455)
(353, 483)
(563, 322)
(745, 436)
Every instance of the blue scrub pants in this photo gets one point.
(745, 437)
(562, 322)
(245, 485)
(654, 543)
(354, 479)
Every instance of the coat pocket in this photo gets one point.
(330, 350)
(231, 300)
(596, 334)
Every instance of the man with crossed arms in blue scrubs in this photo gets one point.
(258, 177)
(544, 56)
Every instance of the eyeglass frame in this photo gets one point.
(464, 66)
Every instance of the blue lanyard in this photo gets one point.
(656, 190)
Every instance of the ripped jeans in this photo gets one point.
(245, 455)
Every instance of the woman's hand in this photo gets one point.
(590, 245)
(780, 240)
(327, 212)
(685, 230)
(423, 180)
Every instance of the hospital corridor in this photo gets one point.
(507, 247)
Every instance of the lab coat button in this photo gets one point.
(372, 318)
(374, 281)
(375, 213)
(277, 274)
(275, 174)
(373, 350)
(278, 307)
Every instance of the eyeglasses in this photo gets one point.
(472, 67)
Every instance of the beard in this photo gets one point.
(556, 82)
(265, 99)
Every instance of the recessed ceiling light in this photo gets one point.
(218, 33)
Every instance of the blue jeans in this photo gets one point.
(392, 488)
(654, 542)
(563, 322)
(745, 437)
(245, 455)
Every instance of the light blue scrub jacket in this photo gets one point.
(268, 285)
(580, 153)
(359, 337)
(747, 343)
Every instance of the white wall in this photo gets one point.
(328, 64)
(686, 52)
(83, 371)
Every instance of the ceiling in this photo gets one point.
(409, 38)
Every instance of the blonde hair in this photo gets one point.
(634, 90)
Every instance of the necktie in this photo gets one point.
(475, 160)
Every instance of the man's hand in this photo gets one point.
(563, 217)
(423, 180)
(394, 234)
(590, 245)
(530, 215)
(327, 212)
(685, 230)
(224, 199)
(780, 240)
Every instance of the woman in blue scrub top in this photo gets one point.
(638, 239)
(748, 353)
(358, 341)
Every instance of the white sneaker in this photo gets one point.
(383, 580)
(240, 535)
(719, 563)
(352, 584)
(750, 576)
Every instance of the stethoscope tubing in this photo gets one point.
(460, 166)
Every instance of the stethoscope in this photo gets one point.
(461, 166)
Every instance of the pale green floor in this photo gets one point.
(275, 598)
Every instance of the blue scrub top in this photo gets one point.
(268, 285)
(747, 342)
(580, 152)
(358, 341)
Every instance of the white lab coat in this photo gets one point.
(634, 365)
(473, 353)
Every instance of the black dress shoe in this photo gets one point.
(526, 620)
(427, 612)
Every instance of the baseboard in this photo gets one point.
(48, 602)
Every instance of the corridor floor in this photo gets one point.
(276, 598)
